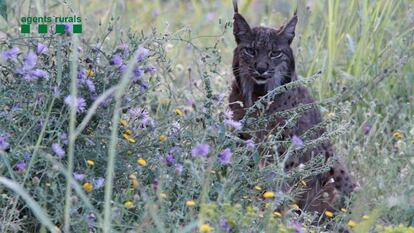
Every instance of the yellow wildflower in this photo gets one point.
(277, 214)
(398, 135)
(90, 73)
(179, 112)
(142, 162)
(344, 210)
(128, 131)
(163, 138)
(131, 140)
(269, 194)
(88, 187)
(206, 228)
(128, 204)
(190, 203)
(123, 122)
(89, 130)
(365, 217)
(126, 136)
(294, 206)
(258, 188)
(330, 114)
(163, 195)
(351, 224)
(303, 183)
(329, 214)
(134, 183)
(90, 162)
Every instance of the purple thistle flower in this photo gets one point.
(219, 98)
(142, 53)
(41, 48)
(82, 75)
(35, 74)
(297, 226)
(224, 225)
(235, 124)
(91, 221)
(175, 128)
(150, 69)
(225, 156)
(124, 48)
(78, 176)
(27, 156)
(138, 113)
(250, 144)
(297, 141)
(366, 128)
(30, 61)
(68, 28)
(90, 85)
(142, 116)
(155, 184)
(116, 60)
(228, 114)
(10, 54)
(21, 165)
(27, 70)
(84, 80)
(58, 150)
(174, 149)
(40, 123)
(4, 144)
(39, 73)
(143, 86)
(137, 73)
(98, 183)
(200, 150)
(170, 159)
(79, 105)
(123, 68)
(64, 138)
(179, 168)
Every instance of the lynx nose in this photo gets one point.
(262, 67)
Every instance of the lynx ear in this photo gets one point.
(241, 28)
(288, 30)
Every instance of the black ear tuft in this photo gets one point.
(241, 28)
(289, 29)
(235, 7)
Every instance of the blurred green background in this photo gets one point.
(364, 49)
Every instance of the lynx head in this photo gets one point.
(263, 56)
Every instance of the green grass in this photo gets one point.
(362, 48)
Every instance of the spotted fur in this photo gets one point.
(263, 60)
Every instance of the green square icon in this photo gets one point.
(25, 28)
(42, 28)
(60, 28)
(77, 28)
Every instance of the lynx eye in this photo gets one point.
(249, 51)
(275, 54)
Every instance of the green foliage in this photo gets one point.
(142, 120)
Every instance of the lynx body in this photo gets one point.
(263, 60)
